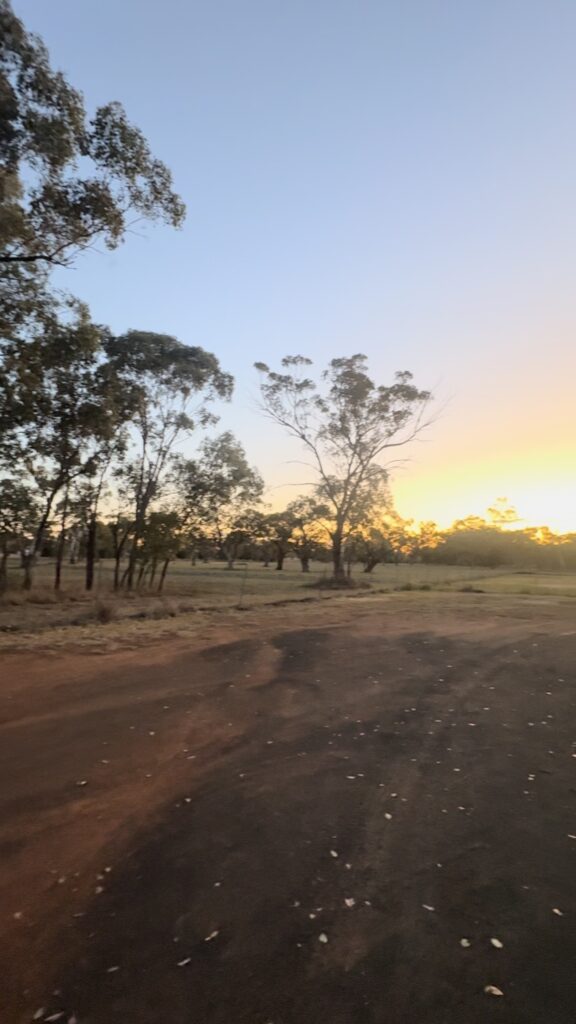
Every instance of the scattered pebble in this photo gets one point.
(185, 962)
(333, 853)
(427, 907)
(465, 943)
(497, 944)
(491, 990)
(350, 902)
(211, 936)
(323, 937)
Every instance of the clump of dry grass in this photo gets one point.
(104, 611)
(331, 583)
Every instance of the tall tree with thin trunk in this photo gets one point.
(57, 412)
(347, 424)
(173, 385)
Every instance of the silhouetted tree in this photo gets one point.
(345, 427)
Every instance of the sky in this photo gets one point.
(393, 178)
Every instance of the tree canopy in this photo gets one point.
(345, 424)
(67, 178)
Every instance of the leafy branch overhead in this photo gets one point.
(67, 179)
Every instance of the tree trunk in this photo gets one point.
(337, 560)
(229, 561)
(91, 551)
(128, 578)
(4, 570)
(117, 560)
(141, 572)
(59, 560)
(280, 560)
(29, 559)
(118, 552)
(165, 565)
(74, 546)
(370, 565)
(153, 569)
(305, 563)
(61, 543)
(28, 566)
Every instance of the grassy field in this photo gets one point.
(554, 584)
(212, 588)
(249, 581)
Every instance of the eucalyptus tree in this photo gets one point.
(67, 178)
(219, 493)
(57, 414)
(171, 388)
(346, 423)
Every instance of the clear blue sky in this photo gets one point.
(397, 178)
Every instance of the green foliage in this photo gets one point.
(474, 541)
(164, 378)
(67, 179)
(161, 536)
(18, 511)
(150, 361)
(218, 492)
(58, 411)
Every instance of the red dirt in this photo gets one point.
(218, 781)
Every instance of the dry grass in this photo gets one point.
(561, 584)
(212, 589)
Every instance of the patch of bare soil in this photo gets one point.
(366, 820)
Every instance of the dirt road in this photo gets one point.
(364, 822)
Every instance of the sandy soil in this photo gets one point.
(183, 825)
